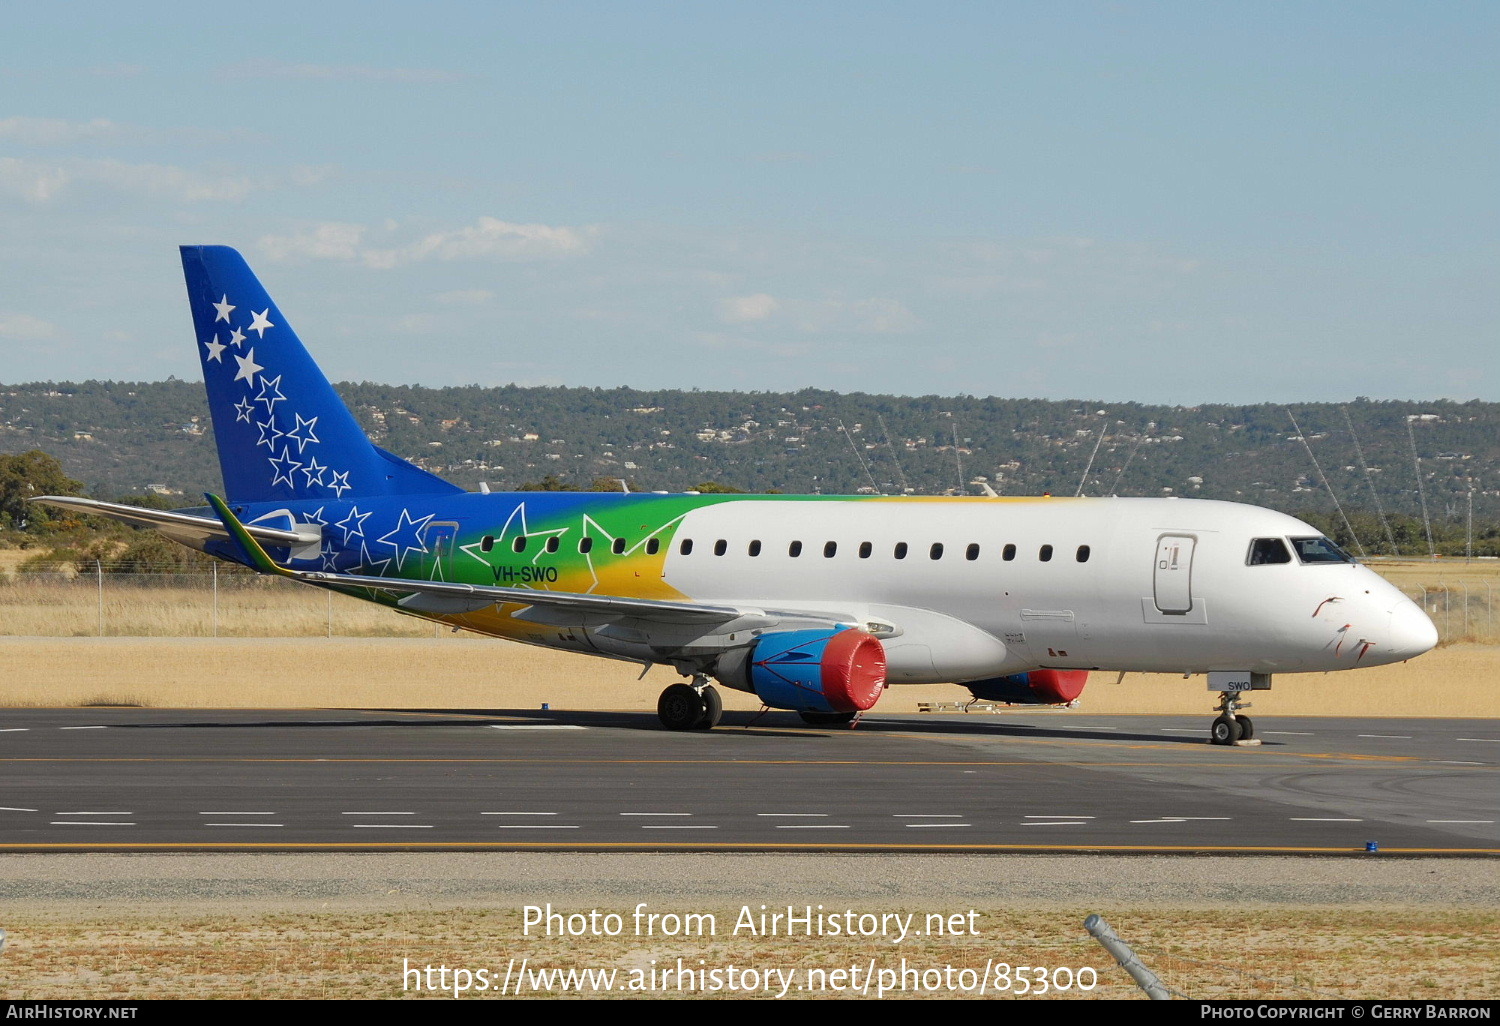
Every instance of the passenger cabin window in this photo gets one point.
(487, 543)
(585, 544)
(794, 549)
(519, 544)
(1046, 554)
(1008, 553)
(900, 552)
(720, 547)
(618, 548)
(1083, 554)
(936, 552)
(1319, 550)
(686, 548)
(1264, 551)
(865, 548)
(755, 548)
(830, 549)
(653, 546)
(552, 543)
(971, 553)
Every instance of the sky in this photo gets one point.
(1173, 203)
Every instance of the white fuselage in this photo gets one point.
(1161, 585)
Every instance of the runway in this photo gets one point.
(1027, 781)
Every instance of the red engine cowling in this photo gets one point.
(1037, 687)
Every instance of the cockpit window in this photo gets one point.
(1268, 550)
(1319, 550)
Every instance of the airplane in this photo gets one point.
(815, 604)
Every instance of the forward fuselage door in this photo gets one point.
(1173, 585)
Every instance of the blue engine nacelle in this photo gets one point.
(1038, 687)
(820, 670)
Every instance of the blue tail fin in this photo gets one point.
(283, 432)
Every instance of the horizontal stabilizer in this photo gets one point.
(187, 528)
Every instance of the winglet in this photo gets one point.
(254, 555)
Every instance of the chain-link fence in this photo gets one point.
(99, 600)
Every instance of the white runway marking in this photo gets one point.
(99, 727)
(244, 824)
(1182, 730)
(933, 826)
(535, 726)
(1302, 733)
(812, 826)
(656, 813)
(518, 813)
(649, 826)
(1323, 819)
(1399, 737)
(88, 822)
(535, 826)
(1460, 821)
(1454, 762)
(13, 730)
(236, 813)
(5, 809)
(377, 814)
(798, 815)
(1182, 819)
(926, 815)
(391, 826)
(1059, 816)
(1060, 822)
(1494, 740)
(93, 814)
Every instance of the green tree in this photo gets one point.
(24, 476)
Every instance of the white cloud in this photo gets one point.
(55, 132)
(340, 73)
(488, 238)
(876, 316)
(744, 309)
(39, 181)
(21, 327)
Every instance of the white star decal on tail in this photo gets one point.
(243, 409)
(215, 349)
(283, 467)
(408, 537)
(259, 323)
(248, 368)
(340, 483)
(270, 391)
(270, 434)
(236, 336)
(303, 433)
(224, 307)
(314, 471)
(353, 525)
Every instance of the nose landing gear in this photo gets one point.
(1229, 727)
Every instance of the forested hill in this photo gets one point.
(122, 437)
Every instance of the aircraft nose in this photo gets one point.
(1412, 632)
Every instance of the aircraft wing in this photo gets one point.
(184, 527)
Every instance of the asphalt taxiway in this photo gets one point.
(1025, 781)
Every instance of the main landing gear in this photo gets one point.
(694, 706)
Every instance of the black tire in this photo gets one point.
(826, 719)
(679, 707)
(1247, 727)
(713, 709)
(1224, 731)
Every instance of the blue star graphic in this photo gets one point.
(303, 433)
(340, 483)
(284, 467)
(353, 525)
(270, 391)
(406, 538)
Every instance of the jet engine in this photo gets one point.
(820, 670)
(1038, 687)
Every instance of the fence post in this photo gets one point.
(215, 568)
(99, 577)
(330, 614)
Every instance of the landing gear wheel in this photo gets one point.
(1247, 727)
(713, 709)
(680, 707)
(1225, 730)
(827, 719)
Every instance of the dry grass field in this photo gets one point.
(177, 641)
